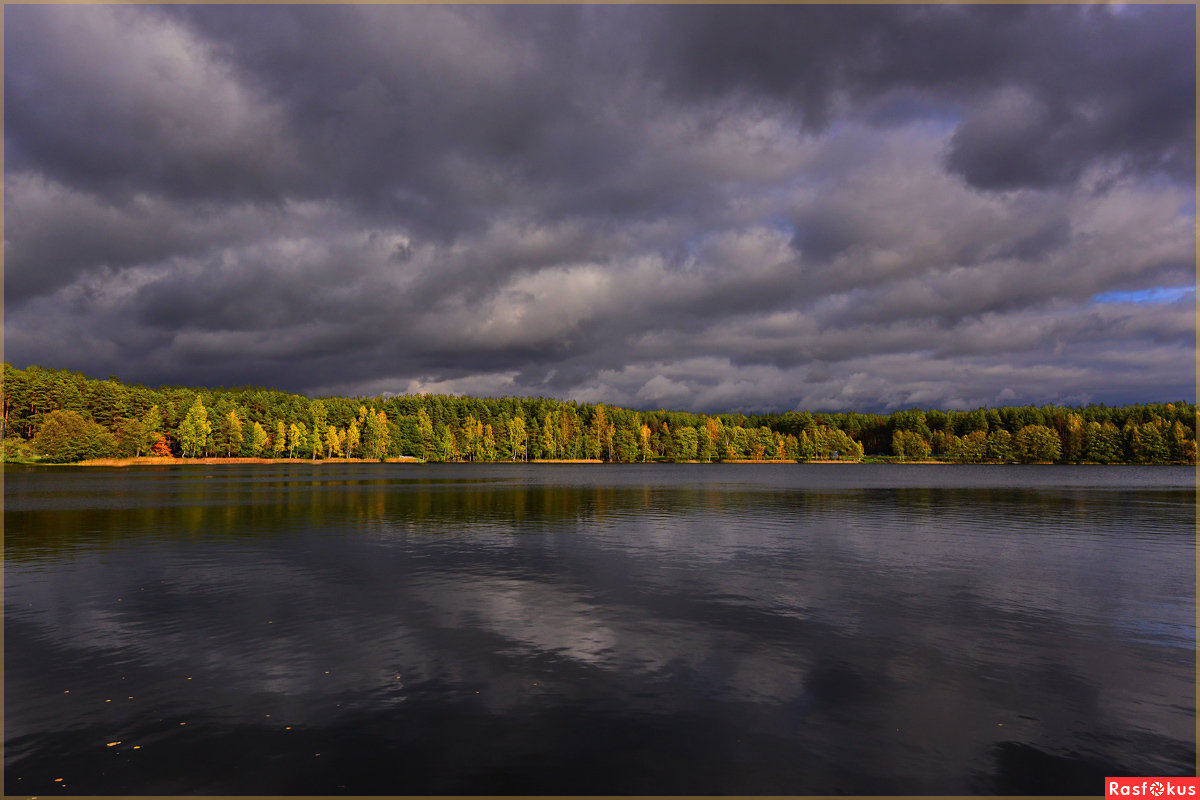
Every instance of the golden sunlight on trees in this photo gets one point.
(117, 420)
(195, 431)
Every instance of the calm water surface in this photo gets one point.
(583, 629)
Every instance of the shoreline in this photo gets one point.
(171, 461)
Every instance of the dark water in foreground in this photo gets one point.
(657, 629)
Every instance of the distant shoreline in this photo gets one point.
(142, 461)
(151, 461)
(170, 461)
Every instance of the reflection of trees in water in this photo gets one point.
(174, 505)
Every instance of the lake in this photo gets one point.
(597, 629)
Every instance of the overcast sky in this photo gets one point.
(697, 207)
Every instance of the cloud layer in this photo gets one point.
(698, 207)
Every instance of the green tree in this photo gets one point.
(444, 443)
(599, 434)
(319, 414)
(684, 444)
(735, 442)
(972, 448)
(377, 436)
(425, 435)
(1181, 443)
(1148, 446)
(195, 431)
(1072, 438)
(1101, 442)
(258, 440)
(999, 445)
(911, 420)
(470, 433)
(550, 432)
(760, 442)
(152, 423)
(487, 444)
(67, 436)
(712, 431)
(805, 450)
(514, 438)
(909, 445)
(234, 437)
(295, 438)
(625, 446)
(130, 436)
(704, 448)
(333, 442)
(1035, 443)
(791, 448)
(833, 443)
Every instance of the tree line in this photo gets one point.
(64, 416)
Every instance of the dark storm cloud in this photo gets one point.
(701, 206)
(1044, 91)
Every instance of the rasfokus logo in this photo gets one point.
(1150, 787)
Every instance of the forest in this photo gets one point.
(59, 416)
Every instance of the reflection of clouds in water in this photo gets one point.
(241, 631)
(839, 620)
(539, 620)
(547, 619)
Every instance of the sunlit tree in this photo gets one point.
(425, 435)
(1034, 443)
(376, 438)
(195, 430)
(319, 414)
(333, 442)
(258, 440)
(233, 434)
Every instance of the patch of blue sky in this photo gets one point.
(906, 107)
(1157, 294)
